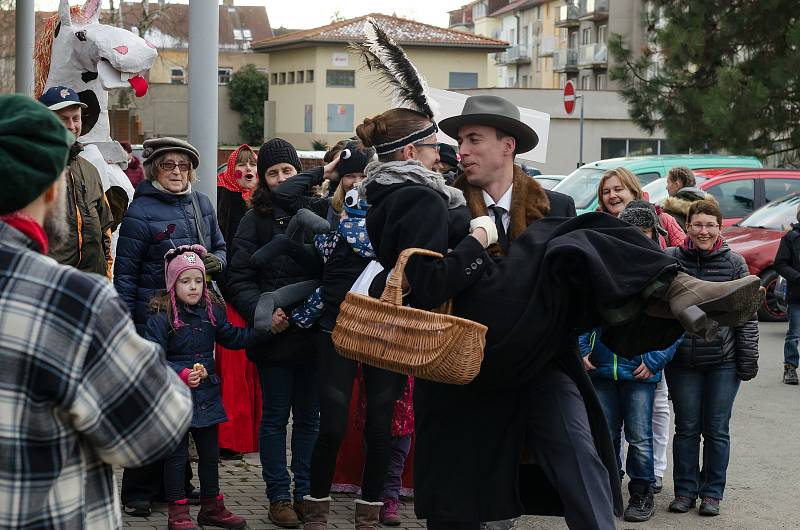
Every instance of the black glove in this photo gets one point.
(212, 263)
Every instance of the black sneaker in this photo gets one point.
(137, 508)
(640, 508)
(658, 484)
(709, 507)
(681, 504)
(790, 375)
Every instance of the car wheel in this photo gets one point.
(772, 310)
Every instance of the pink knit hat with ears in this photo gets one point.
(177, 261)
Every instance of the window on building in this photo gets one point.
(237, 34)
(524, 36)
(301, 75)
(586, 82)
(290, 78)
(586, 37)
(524, 81)
(642, 147)
(537, 12)
(463, 80)
(340, 117)
(512, 82)
(479, 10)
(224, 75)
(512, 36)
(600, 82)
(617, 147)
(309, 76)
(177, 76)
(308, 120)
(247, 34)
(573, 39)
(601, 34)
(273, 79)
(735, 198)
(282, 78)
(340, 78)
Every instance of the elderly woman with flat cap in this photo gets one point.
(165, 213)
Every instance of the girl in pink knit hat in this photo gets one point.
(187, 323)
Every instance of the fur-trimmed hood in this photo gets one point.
(529, 202)
(680, 203)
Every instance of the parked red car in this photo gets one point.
(757, 238)
(739, 191)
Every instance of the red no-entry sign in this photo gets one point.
(569, 97)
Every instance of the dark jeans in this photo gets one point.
(146, 483)
(399, 447)
(630, 403)
(382, 388)
(205, 440)
(703, 400)
(560, 439)
(285, 390)
(790, 354)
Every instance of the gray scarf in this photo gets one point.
(397, 172)
(162, 189)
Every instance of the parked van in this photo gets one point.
(582, 183)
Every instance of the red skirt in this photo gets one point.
(241, 395)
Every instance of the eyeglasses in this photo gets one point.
(698, 227)
(435, 147)
(170, 166)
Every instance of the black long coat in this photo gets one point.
(534, 302)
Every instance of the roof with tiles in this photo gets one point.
(403, 31)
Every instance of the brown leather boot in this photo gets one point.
(179, 517)
(701, 306)
(367, 514)
(282, 514)
(214, 513)
(315, 512)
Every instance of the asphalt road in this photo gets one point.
(763, 482)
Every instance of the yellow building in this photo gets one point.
(319, 89)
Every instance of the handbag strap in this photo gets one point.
(393, 292)
(198, 215)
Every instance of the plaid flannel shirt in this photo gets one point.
(80, 391)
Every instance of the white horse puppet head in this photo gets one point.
(77, 51)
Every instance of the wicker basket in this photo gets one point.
(384, 333)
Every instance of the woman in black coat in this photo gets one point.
(286, 366)
(704, 375)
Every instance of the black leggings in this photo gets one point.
(205, 439)
(383, 388)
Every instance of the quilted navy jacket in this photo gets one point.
(155, 223)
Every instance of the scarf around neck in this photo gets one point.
(399, 172)
(162, 189)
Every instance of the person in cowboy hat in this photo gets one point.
(490, 134)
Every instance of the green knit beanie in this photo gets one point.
(34, 146)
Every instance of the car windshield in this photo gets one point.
(657, 190)
(777, 215)
(581, 185)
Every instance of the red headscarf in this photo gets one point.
(227, 179)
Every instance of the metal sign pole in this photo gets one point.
(580, 144)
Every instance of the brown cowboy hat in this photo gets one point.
(492, 111)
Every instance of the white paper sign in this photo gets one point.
(341, 59)
(451, 104)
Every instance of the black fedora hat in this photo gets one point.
(496, 112)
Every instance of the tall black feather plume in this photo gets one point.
(394, 70)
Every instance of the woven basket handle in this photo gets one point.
(393, 293)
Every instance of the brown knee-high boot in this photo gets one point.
(367, 514)
(315, 513)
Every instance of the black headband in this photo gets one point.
(394, 145)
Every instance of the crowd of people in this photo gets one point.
(242, 297)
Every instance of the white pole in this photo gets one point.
(25, 29)
(203, 91)
(580, 148)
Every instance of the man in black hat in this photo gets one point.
(88, 245)
(560, 447)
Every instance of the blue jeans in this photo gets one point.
(630, 403)
(703, 401)
(790, 354)
(283, 390)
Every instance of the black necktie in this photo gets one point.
(502, 238)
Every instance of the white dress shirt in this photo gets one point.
(504, 203)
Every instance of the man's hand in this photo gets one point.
(642, 372)
(587, 364)
(212, 263)
(280, 322)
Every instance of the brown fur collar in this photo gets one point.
(529, 202)
(679, 205)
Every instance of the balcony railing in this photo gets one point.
(565, 59)
(594, 9)
(593, 55)
(547, 46)
(513, 55)
(567, 16)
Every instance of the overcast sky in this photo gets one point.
(304, 14)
